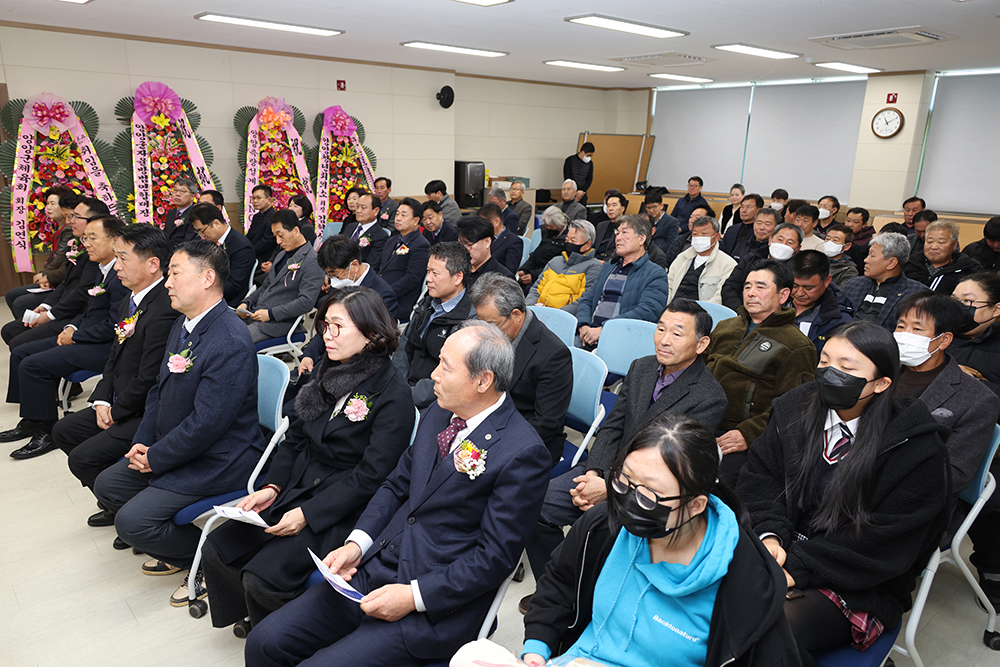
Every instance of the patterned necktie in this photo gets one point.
(842, 446)
(184, 335)
(447, 436)
(131, 306)
(357, 232)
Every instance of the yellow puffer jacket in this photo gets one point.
(564, 280)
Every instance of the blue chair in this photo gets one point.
(623, 341)
(272, 380)
(251, 287)
(558, 321)
(66, 383)
(292, 342)
(849, 656)
(586, 412)
(525, 248)
(718, 312)
(536, 240)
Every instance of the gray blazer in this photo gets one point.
(969, 409)
(695, 393)
(288, 294)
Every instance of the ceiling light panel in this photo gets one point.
(576, 65)
(621, 25)
(267, 25)
(847, 67)
(681, 77)
(76, 2)
(748, 50)
(485, 3)
(461, 50)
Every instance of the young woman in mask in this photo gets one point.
(977, 349)
(848, 489)
(662, 568)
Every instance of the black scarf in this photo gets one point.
(333, 380)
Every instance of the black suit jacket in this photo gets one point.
(447, 232)
(178, 233)
(135, 361)
(405, 273)
(241, 260)
(261, 236)
(542, 384)
(695, 393)
(97, 322)
(511, 220)
(371, 252)
(70, 297)
(508, 248)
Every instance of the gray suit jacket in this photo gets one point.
(288, 294)
(695, 393)
(969, 409)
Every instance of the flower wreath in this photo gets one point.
(343, 163)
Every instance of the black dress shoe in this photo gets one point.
(24, 429)
(75, 390)
(120, 545)
(41, 443)
(102, 518)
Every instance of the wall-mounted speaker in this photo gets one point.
(446, 97)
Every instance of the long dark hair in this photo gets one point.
(846, 500)
(689, 450)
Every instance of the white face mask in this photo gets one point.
(913, 347)
(823, 214)
(337, 283)
(781, 252)
(831, 249)
(586, 158)
(777, 205)
(701, 243)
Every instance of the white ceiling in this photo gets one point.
(534, 30)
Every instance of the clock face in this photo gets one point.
(887, 123)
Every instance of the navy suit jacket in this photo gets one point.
(371, 252)
(201, 426)
(405, 273)
(511, 220)
(97, 323)
(458, 537)
(508, 248)
(447, 232)
(241, 259)
(261, 236)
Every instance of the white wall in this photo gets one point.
(517, 128)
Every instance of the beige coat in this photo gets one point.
(715, 273)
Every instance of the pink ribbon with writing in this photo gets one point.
(322, 209)
(20, 191)
(253, 167)
(142, 175)
(92, 164)
(201, 173)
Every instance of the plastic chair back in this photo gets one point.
(272, 380)
(970, 493)
(250, 285)
(536, 240)
(525, 248)
(717, 311)
(589, 372)
(416, 423)
(623, 341)
(559, 322)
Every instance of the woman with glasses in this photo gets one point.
(354, 421)
(663, 568)
(848, 489)
(977, 349)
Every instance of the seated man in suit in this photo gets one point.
(84, 344)
(260, 234)
(183, 195)
(387, 205)
(199, 435)
(666, 228)
(69, 298)
(509, 219)
(437, 316)
(573, 209)
(506, 246)
(437, 192)
(97, 436)
(542, 383)
(525, 211)
(291, 287)
(213, 197)
(366, 231)
(674, 379)
(404, 257)
(208, 223)
(436, 228)
(440, 535)
(476, 234)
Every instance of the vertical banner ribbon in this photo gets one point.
(142, 177)
(253, 168)
(94, 168)
(19, 193)
(201, 173)
(322, 208)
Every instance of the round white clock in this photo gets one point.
(887, 123)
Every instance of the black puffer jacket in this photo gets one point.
(748, 626)
(945, 279)
(982, 353)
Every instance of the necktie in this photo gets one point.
(447, 436)
(357, 233)
(184, 335)
(842, 446)
(131, 306)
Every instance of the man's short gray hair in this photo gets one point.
(555, 217)
(571, 182)
(586, 227)
(639, 224)
(499, 290)
(787, 225)
(946, 226)
(893, 245)
(492, 352)
(191, 186)
(706, 220)
(498, 193)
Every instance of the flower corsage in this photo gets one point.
(402, 250)
(126, 327)
(292, 269)
(72, 254)
(364, 242)
(470, 460)
(180, 362)
(358, 407)
(96, 290)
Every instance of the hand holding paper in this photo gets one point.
(246, 516)
(335, 580)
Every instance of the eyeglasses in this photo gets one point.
(971, 302)
(322, 326)
(77, 216)
(645, 496)
(87, 238)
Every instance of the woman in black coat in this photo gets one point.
(553, 231)
(978, 348)
(849, 491)
(354, 422)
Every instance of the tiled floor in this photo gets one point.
(68, 599)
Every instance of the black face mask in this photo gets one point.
(570, 248)
(549, 233)
(647, 524)
(839, 390)
(968, 318)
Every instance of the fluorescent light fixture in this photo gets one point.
(681, 77)
(644, 29)
(454, 49)
(485, 3)
(269, 25)
(847, 67)
(76, 2)
(782, 82)
(968, 72)
(596, 68)
(748, 50)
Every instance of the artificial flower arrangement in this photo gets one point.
(97, 290)
(271, 153)
(180, 362)
(292, 269)
(358, 407)
(343, 163)
(159, 146)
(403, 250)
(126, 327)
(470, 460)
(50, 145)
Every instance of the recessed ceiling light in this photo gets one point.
(847, 67)
(756, 51)
(681, 77)
(644, 29)
(485, 3)
(454, 49)
(596, 68)
(269, 25)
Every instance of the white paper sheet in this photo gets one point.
(336, 580)
(246, 516)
